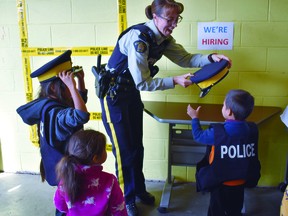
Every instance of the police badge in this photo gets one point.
(140, 46)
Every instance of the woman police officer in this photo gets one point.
(132, 69)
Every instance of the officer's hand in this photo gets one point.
(183, 80)
(217, 57)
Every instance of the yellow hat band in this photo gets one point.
(211, 81)
(55, 71)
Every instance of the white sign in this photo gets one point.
(284, 116)
(215, 35)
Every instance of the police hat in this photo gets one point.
(210, 75)
(50, 70)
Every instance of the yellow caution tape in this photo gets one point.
(27, 52)
(76, 51)
(27, 78)
(35, 139)
(34, 135)
(22, 22)
(122, 18)
(108, 147)
(95, 115)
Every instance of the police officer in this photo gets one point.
(132, 68)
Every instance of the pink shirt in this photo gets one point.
(100, 194)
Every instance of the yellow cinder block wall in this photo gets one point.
(259, 55)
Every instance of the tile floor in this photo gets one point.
(25, 194)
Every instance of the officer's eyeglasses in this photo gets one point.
(170, 21)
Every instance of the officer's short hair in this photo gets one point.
(240, 102)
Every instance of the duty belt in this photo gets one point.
(110, 81)
(121, 84)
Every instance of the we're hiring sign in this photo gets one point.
(215, 35)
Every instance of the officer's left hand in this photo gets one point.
(218, 57)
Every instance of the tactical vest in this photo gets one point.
(234, 159)
(119, 61)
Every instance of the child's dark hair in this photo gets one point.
(81, 148)
(55, 89)
(240, 102)
(159, 6)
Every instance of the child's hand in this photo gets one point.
(68, 78)
(81, 82)
(192, 112)
(80, 75)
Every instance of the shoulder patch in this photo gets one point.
(140, 46)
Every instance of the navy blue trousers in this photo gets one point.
(122, 117)
(226, 201)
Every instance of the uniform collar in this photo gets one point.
(152, 26)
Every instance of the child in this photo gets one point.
(85, 189)
(59, 111)
(231, 161)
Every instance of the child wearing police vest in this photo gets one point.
(231, 160)
(84, 188)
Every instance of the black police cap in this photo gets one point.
(50, 70)
(210, 75)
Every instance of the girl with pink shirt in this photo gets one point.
(84, 188)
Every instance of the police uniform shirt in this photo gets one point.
(138, 64)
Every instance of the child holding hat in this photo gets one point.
(59, 111)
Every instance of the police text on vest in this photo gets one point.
(238, 151)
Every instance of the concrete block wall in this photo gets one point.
(259, 65)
